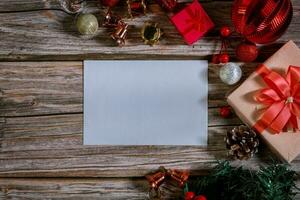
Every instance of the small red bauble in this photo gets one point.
(215, 59)
(225, 31)
(189, 195)
(225, 111)
(224, 58)
(200, 197)
(110, 3)
(246, 52)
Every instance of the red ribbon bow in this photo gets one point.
(282, 98)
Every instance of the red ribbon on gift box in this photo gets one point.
(282, 98)
(195, 21)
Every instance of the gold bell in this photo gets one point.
(151, 33)
(156, 179)
(120, 34)
(180, 177)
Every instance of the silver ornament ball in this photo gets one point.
(230, 73)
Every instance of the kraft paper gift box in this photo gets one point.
(285, 144)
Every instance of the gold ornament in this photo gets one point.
(87, 24)
(120, 33)
(151, 33)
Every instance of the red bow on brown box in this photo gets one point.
(157, 178)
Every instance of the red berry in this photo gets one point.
(200, 197)
(189, 195)
(110, 3)
(215, 59)
(225, 31)
(246, 52)
(225, 111)
(224, 58)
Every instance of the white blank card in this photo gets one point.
(145, 102)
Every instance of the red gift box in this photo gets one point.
(192, 22)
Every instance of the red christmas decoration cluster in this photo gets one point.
(192, 196)
(222, 56)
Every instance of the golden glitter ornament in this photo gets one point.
(87, 24)
(151, 33)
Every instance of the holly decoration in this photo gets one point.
(273, 182)
(225, 111)
(189, 196)
(200, 197)
(223, 56)
(192, 196)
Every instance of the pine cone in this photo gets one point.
(242, 142)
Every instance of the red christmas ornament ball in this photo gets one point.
(246, 52)
(224, 58)
(225, 31)
(200, 197)
(110, 3)
(189, 196)
(225, 111)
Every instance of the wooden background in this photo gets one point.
(41, 151)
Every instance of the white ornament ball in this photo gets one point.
(230, 73)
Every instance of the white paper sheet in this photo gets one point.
(145, 102)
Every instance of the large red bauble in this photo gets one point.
(246, 52)
(110, 3)
(261, 21)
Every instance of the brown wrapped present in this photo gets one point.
(269, 101)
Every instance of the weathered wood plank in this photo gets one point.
(88, 188)
(63, 131)
(51, 35)
(51, 146)
(28, 5)
(103, 189)
(41, 88)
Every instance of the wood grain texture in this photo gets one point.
(41, 104)
(51, 146)
(43, 88)
(51, 35)
(88, 188)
